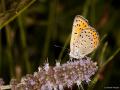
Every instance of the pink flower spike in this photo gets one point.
(46, 67)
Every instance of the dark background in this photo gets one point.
(43, 29)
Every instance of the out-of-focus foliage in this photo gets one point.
(32, 31)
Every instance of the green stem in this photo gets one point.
(93, 3)
(9, 50)
(3, 8)
(17, 14)
(95, 79)
(51, 23)
(111, 57)
(0, 53)
(23, 43)
(104, 36)
(66, 43)
(8, 41)
(103, 53)
(86, 8)
(93, 82)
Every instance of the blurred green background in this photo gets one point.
(34, 30)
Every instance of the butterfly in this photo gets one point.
(84, 38)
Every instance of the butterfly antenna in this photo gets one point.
(66, 49)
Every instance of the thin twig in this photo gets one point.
(17, 14)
